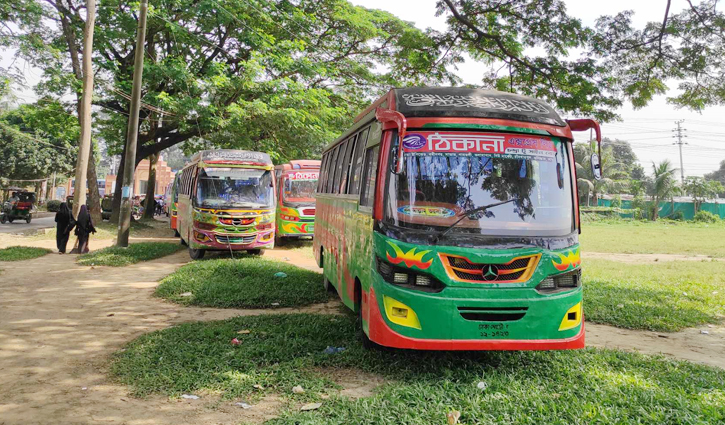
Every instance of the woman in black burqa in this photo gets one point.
(64, 225)
(84, 227)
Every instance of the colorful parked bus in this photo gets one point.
(447, 218)
(227, 202)
(296, 183)
(172, 204)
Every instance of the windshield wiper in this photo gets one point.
(468, 213)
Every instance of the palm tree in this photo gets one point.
(664, 184)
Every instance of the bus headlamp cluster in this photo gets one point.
(286, 217)
(407, 277)
(561, 282)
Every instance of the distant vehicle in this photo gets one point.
(296, 183)
(226, 202)
(447, 219)
(19, 206)
(172, 204)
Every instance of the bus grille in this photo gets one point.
(234, 240)
(492, 314)
(519, 269)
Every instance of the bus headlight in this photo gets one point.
(407, 278)
(286, 217)
(200, 237)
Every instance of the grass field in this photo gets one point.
(666, 296)
(20, 253)
(637, 237)
(247, 282)
(281, 351)
(116, 257)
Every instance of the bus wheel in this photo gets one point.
(176, 233)
(278, 240)
(183, 242)
(196, 254)
(255, 252)
(364, 340)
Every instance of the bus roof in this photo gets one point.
(231, 155)
(299, 164)
(467, 103)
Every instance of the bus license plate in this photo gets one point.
(493, 330)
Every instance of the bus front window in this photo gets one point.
(298, 191)
(234, 188)
(525, 181)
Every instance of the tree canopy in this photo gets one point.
(27, 153)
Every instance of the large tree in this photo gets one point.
(535, 47)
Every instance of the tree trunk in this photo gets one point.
(656, 209)
(150, 206)
(116, 208)
(85, 117)
(94, 197)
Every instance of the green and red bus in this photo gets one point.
(296, 183)
(448, 219)
(227, 202)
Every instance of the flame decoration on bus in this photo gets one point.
(569, 261)
(410, 258)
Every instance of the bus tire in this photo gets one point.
(364, 340)
(183, 242)
(196, 254)
(176, 233)
(255, 252)
(278, 240)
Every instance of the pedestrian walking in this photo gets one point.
(64, 225)
(84, 228)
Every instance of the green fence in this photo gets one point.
(669, 208)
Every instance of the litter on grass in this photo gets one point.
(236, 341)
(482, 385)
(243, 405)
(310, 406)
(190, 396)
(280, 275)
(298, 389)
(333, 350)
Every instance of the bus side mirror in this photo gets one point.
(596, 167)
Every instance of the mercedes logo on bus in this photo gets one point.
(490, 272)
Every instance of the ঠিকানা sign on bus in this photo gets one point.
(304, 175)
(479, 143)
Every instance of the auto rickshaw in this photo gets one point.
(19, 205)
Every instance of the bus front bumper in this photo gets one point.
(236, 242)
(445, 329)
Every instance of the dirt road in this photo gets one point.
(60, 322)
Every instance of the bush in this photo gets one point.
(706, 217)
(617, 201)
(53, 206)
(677, 215)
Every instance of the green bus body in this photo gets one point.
(224, 224)
(426, 289)
(295, 198)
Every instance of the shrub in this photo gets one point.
(706, 217)
(53, 206)
(617, 201)
(677, 215)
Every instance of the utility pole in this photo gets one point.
(79, 195)
(679, 135)
(124, 219)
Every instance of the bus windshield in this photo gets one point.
(525, 180)
(234, 188)
(300, 187)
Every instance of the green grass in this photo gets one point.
(281, 351)
(666, 296)
(246, 282)
(662, 237)
(20, 253)
(116, 257)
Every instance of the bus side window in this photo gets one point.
(357, 160)
(338, 166)
(371, 171)
(344, 176)
(321, 178)
(329, 184)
